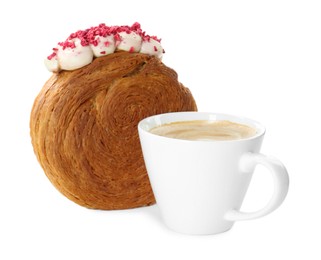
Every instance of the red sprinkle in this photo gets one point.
(117, 37)
(131, 49)
(107, 43)
(155, 48)
(51, 56)
(94, 42)
(102, 52)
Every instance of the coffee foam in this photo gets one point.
(205, 130)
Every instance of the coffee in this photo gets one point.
(205, 130)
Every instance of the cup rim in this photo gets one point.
(150, 122)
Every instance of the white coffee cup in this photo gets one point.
(199, 186)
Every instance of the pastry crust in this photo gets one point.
(83, 127)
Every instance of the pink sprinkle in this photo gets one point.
(94, 42)
(117, 37)
(156, 39)
(51, 56)
(131, 49)
(67, 44)
(73, 35)
(107, 43)
(83, 42)
(155, 48)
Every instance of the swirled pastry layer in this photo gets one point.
(84, 127)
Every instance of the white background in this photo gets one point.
(259, 59)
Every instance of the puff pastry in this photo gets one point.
(83, 127)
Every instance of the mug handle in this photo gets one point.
(280, 179)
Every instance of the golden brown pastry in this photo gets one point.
(84, 127)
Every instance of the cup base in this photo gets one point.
(199, 232)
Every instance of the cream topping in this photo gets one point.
(130, 42)
(83, 46)
(74, 58)
(152, 47)
(105, 45)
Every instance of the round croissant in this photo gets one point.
(84, 127)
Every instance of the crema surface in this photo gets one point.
(205, 130)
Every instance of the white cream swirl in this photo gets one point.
(105, 45)
(152, 47)
(130, 42)
(74, 58)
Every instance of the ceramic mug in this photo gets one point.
(199, 186)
